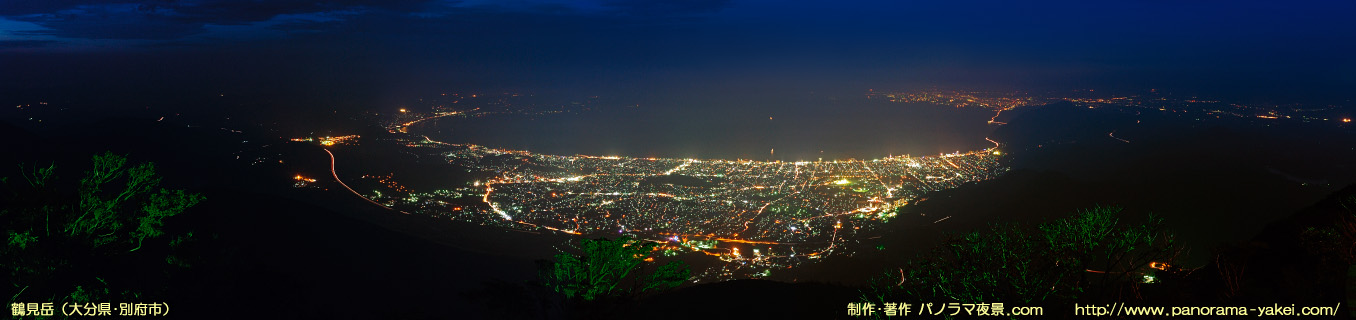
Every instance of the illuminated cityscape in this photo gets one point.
(1194, 107)
(754, 215)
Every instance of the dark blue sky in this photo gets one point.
(1277, 51)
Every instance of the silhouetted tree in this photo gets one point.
(1088, 254)
(1336, 241)
(611, 268)
(61, 236)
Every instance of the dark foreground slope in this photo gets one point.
(261, 249)
(281, 258)
(1213, 179)
(1305, 258)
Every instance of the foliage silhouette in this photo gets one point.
(1089, 254)
(62, 238)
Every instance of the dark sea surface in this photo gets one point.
(771, 129)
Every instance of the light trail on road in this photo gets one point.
(405, 128)
(1112, 134)
(341, 182)
(994, 120)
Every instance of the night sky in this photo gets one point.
(1250, 51)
